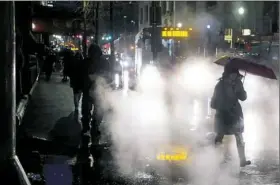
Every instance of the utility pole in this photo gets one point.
(10, 164)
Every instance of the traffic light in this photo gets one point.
(107, 37)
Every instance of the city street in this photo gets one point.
(175, 93)
(50, 116)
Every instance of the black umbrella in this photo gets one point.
(247, 66)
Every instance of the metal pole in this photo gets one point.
(174, 15)
(154, 26)
(8, 126)
(125, 34)
(97, 22)
(174, 25)
(85, 28)
(112, 30)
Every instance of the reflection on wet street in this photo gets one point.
(261, 138)
(140, 123)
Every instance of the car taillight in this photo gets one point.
(248, 47)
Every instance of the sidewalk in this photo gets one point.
(50, 113)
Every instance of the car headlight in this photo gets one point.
(117, 80)
(195, 77)
(125, 63)
(150, 77)
(125, 79)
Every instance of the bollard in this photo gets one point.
(198, 52)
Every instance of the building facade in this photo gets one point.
(259, 16)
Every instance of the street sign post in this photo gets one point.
(155, 20)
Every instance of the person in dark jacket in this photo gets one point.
(67, 57)
(93, 70)
(229, 116)
(76, 75)
(48, 64)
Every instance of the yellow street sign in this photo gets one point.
(174, 33)
(228, 37)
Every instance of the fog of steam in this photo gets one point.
(145, 122)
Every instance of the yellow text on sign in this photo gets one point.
(178, 154)
(175, 157)
(175, 33)
(74, 49)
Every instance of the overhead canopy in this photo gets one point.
(51, 13)
(41, 25)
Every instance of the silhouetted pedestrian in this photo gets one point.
(229, 116)
(48, 64)
(76, 75)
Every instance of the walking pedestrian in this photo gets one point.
(93, 70)
(229, 116)
(76, 75)
(67, 57)
(48, 64)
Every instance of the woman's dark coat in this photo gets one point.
(229, 115)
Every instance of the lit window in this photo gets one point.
(47, 3)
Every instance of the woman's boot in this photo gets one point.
(241, 153)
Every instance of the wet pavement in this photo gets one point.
(50, 116)
(50, 113)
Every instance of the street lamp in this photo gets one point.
(125, 32)
(179, 25)
(241, 11)
(208, 26)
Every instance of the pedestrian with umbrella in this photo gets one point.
(229, 115)
(229, 90)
